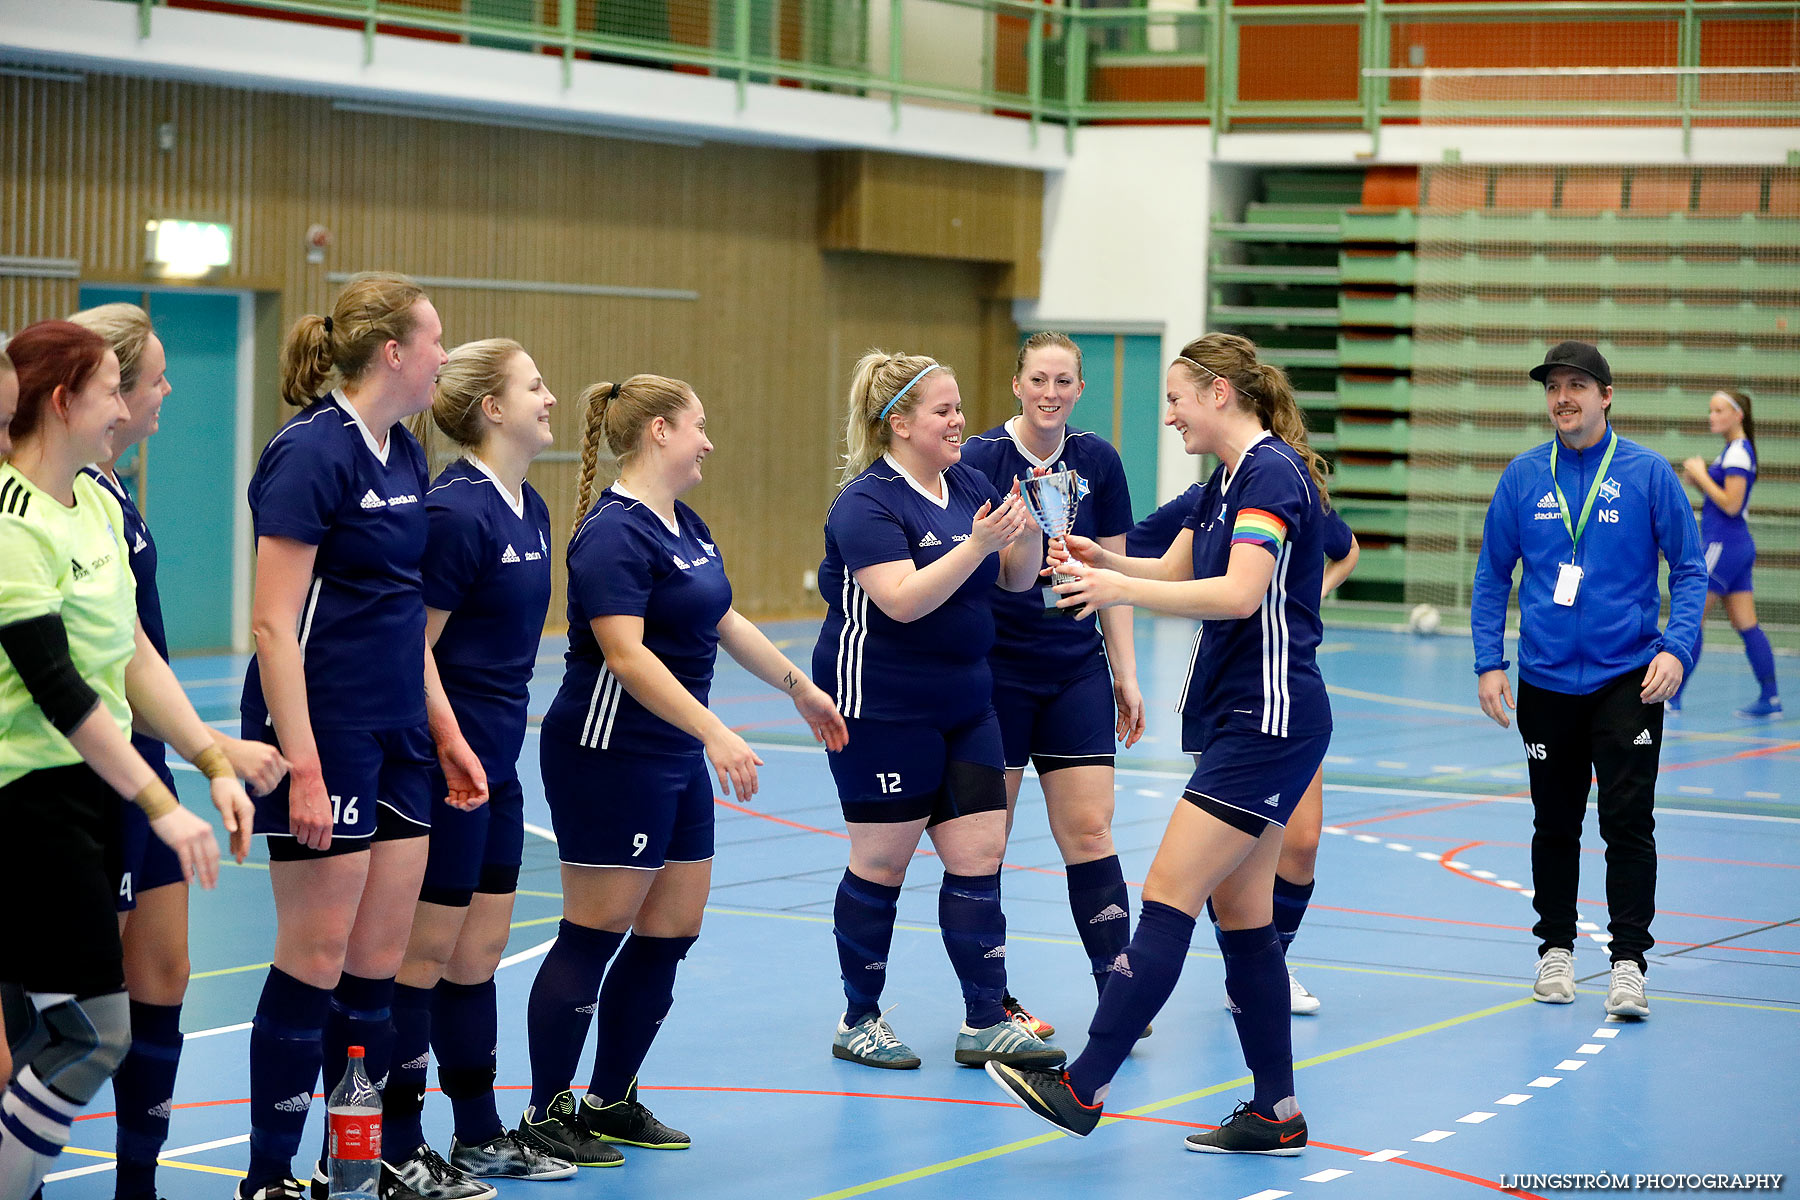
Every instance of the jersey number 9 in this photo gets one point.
(638, 842)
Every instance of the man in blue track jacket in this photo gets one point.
(1588, 512)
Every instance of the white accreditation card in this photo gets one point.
(1568, 583)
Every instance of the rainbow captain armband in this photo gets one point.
(1259, 528)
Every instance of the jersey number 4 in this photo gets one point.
(888, 782)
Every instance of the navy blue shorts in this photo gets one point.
(1253, 780)
(148, 861)
(1055, 723)
(893, 771)
(613, 809)
(1728, 566)
(379, 781)
(476, 851)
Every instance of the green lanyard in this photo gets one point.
(1587, 508)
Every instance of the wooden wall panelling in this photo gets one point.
(767, 345)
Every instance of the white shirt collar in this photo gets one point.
(379, 450)
(942, 501)
(1233, 473)
(516, 503)
(672, 526)
(1013, 433)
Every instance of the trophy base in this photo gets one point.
(1051, 598)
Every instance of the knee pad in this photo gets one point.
(82, 1044)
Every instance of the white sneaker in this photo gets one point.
(1555, 977)
(1301, 1002)
(1625, 995)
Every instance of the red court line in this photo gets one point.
(651, 1087)
(1416, 812)
(1763, 752)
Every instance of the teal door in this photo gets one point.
(185, 476)
(1123, 400)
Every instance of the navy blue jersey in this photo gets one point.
(322, 481)
(1152, 536)
(1260, 673)
(141, 548)
(1335, 537)
(1028, 639)
(1738, 458)
(878, 668)
(487, 564)
(623, 561)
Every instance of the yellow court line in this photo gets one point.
(876, 1185)
(162, 1162)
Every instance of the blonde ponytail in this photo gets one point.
(618, 414)
(1261, 388)
(373, 309)
(875, 383)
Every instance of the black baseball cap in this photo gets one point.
(1581, 356)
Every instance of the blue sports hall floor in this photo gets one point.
(1428, 1072)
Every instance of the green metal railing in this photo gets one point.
(1068, 64)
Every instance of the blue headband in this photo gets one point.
(889, 407)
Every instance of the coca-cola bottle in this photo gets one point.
(354, 1113)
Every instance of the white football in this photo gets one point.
(1424, 619)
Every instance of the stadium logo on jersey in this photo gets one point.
(959, 537)
(509, 555)
(1547, 500)
(371, 500)
(1609, 489)
(930, 539)
(679, 561)
(542, 544)
(712, 551)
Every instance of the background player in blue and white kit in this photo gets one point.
(624, 753)
(1249, 563)
(153, 892)
(1725, 485)
(339, 683)
(486, 583)
(1061, 695)
(914, 543)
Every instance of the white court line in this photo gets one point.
(177, 1152)
(1605, 1033)
(1267, 1194)
(1436, 1135)
(1398, 846)
(1325, 1176)
(1513, 1098)
(1383, 1156)
(1544, 1081)
(215, 1032)
(1476, 1118)
(1589, 1048)
(1571, 1064)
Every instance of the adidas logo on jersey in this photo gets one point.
(1274, 801)
(295, 1104)
(79, 571)
(878, 966)
(1111, 912)
(1547, 500)
(160, 1112)
(1121, 965)
(588, 1008)
(1643, 739)
(371, 500)
(930, 539)
(509, 555)
(137, 547)
(418, 1064)
(996, 952)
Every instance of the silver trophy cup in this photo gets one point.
(1052, 500)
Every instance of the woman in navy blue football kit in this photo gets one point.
(624, 754)
(339, 683)
(1249, 563)
(153, 892)
(1061, 694)
(913, 544)
(486, 577)
(1724, 486)
(1151, 538)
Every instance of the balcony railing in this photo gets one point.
(1347, 66)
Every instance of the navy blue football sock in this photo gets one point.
(1143, 977)
(1102, 911)
(974, 929)
(360, 1014)
(1762, 660)
(465, 1029)
(863, 922)
(563, 998)
(403, 1100)
(1291, 900)
(285, 1048)
(635, 998)
(143, 1088)
(1256, 981)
